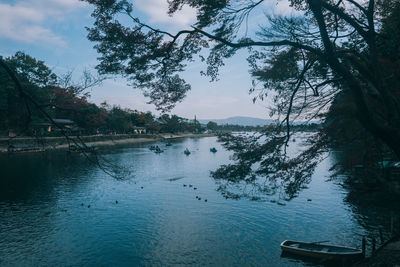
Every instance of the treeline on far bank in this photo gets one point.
(299, 127)
(48, 102)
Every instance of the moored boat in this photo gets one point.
(321, 251)
(158, 150)
(24, 148)
(187, 152)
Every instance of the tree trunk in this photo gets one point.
(389, 136)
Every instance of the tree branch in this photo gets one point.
(358, 6)
(345, 17)
(251, 43)
(299, 82)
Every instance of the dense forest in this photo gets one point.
(47, 95)
(62, 99)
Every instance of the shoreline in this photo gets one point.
(100, 141)
(386, 255)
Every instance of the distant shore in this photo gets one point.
(61, 143)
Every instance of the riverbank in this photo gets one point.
(387, 255)
(61, 143)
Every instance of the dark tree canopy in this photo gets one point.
(33, 93)
(33, 75)
(331, 49)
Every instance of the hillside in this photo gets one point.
(239, 120)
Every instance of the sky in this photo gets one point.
(54, 31)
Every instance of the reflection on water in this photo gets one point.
(57, 209)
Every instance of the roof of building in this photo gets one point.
(63, 121)
(57, 121)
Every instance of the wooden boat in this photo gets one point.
(24, 148)
(158, 150)
(321, 251)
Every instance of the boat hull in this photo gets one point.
(318, 251)
(24, 149)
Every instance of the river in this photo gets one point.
(59, 210)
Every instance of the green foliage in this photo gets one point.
(212, 125)
(282, 66)
(304, 63)
(69, 102)
(31, 71)
(35, 77)
(171, 124)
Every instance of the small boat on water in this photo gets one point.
(158, 150)
(187, 152)
(321, 251)
(24, 148)
(168, 144)
(213, 150)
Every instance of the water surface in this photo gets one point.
(58, 209)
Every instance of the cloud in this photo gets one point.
(26, 21)
(157, 10)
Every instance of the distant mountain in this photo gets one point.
(239, 120)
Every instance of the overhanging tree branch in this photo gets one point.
(251, 43)
(339, 12)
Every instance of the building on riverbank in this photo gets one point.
(139, 130)
(55, 126)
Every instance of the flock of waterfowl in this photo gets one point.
(156, 149)
(194, 188)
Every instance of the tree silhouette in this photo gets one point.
(303, 61)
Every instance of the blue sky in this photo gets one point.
(54, 31)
